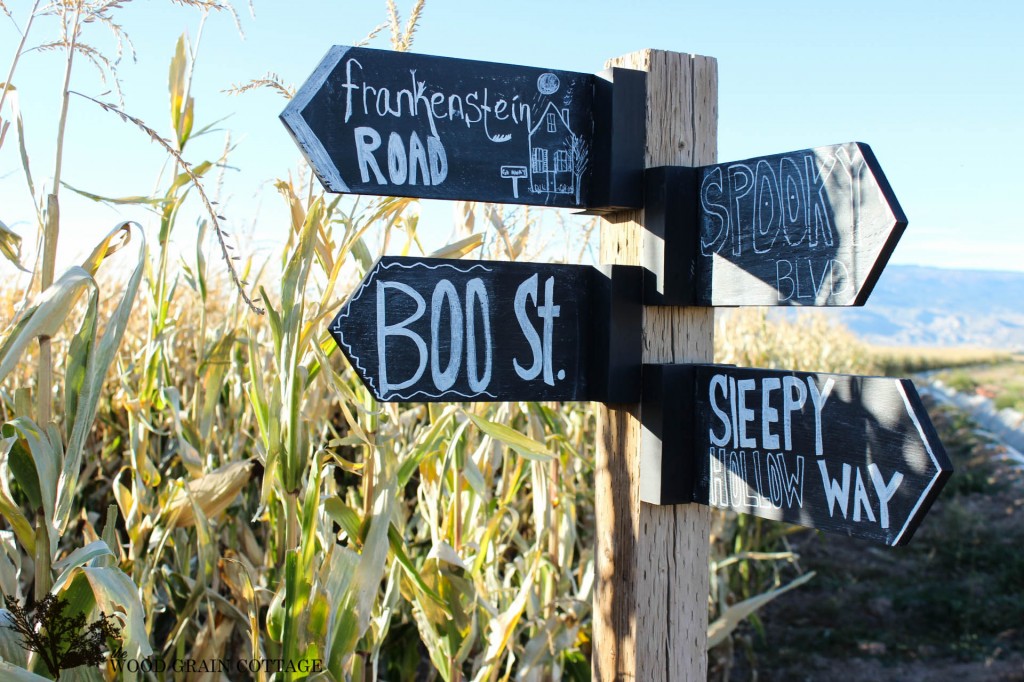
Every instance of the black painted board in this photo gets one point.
(431, 330)
(666, 474)
(671, 228)
(813, 227)
(620, 134)
(402, 124)
(846, 454)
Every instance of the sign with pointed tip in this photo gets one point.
(402, 124)
(429, 330)
(845, 454)
(813, 227)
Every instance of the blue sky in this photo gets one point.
(936, 88)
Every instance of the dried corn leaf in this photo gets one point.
(502, 627)
(10, 245)
(460, 248)
(212, 493)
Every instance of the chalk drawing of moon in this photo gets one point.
(548, 84)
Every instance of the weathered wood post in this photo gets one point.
(650, 607)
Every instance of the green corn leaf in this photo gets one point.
(183, 180)
(356, 604)
(38, 463)
(129, 200)
(80, 557)
(102, 357)
(113, 592)
(308, 519)
(527, 447)
(737, 613)
(204, 227)
(22, 463)
(209, 128)
(297, 593)
(491, 532)
(402, 557)
(22, 528)
(427, 445)
(276, 615)
(77, 365)
(110, 537)
(11, 649)
(361, 252)
(296, 273)
(46, 317)
(13, 673)
(215, 370)
(343, 515)
(475, 478)
(335, 577)
(182, 105)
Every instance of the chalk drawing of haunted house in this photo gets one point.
(551, 162)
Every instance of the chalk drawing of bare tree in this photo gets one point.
(578, 153)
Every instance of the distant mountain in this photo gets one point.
(923, 306)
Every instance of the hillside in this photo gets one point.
(914, 305)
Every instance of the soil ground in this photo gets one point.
(949, 606)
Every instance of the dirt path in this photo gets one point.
(949, 606)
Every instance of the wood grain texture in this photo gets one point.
(650, 607)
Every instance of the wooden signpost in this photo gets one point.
(427, 330)
(845, 454)
(813, 227)
(401, 124)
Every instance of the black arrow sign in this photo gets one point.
(850, 455)
(424, 329)
(812, 227)
(402, 124)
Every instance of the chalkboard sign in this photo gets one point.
(846, 454)
(813, 227)
(401, 124)
(424, 329)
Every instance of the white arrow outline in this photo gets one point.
(319, 160)
(347, 311)
(928, 448)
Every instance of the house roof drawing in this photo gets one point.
(562, 114)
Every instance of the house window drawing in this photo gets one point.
(553, 138)
(539, 161)
(562, 161)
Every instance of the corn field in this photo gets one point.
(184, 447)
